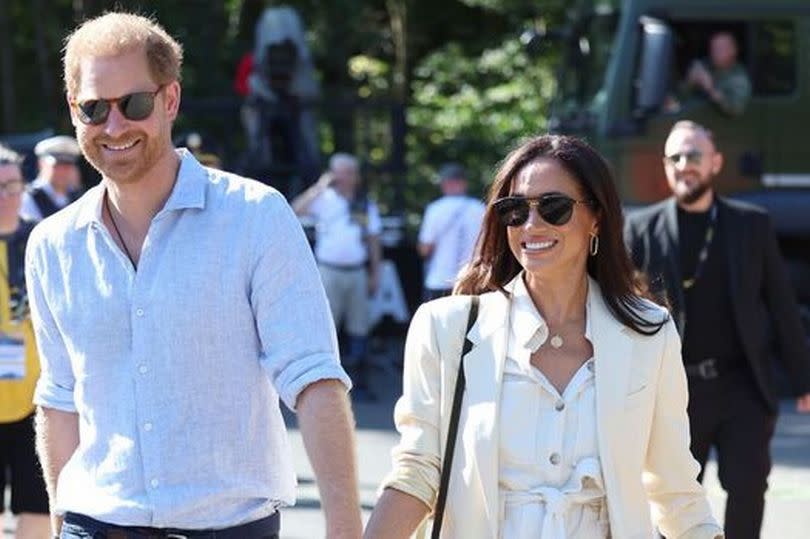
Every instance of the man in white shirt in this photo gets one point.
(58, 181)
(348, 252)
(175, 306)
(449, 230)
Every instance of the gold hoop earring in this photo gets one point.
(593, 248)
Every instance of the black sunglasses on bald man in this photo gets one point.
(555, 209)
(136, 106)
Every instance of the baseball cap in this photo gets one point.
(449, 171)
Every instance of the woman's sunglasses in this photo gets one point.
(555, 209)
(135, 107)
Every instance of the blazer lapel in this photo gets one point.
(612, 350)
(670, 249)
(483, 367)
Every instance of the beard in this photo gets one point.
(132, 164)
(687, 194)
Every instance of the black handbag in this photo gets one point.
(452, 431)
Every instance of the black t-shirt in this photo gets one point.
(15, 247)
(710, 331)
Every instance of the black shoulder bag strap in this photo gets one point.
(452, 431)
(46, 206)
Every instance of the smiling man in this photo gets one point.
(170, 322)
(718, 263)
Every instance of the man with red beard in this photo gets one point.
(173, 306)
(718, 264)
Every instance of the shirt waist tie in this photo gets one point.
(583, 488)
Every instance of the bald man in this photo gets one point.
(718, 264)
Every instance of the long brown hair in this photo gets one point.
(493, 264)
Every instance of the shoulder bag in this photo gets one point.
(452, 431)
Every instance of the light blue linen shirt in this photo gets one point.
(176, 370)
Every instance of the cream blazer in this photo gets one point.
(643, 429)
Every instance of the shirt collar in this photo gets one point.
(188, 191)
(528, 325)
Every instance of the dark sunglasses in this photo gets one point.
(136, 106)
(693, 157)
(555, 209)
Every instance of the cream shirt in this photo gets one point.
(550, 478)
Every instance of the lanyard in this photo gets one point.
(704, 251)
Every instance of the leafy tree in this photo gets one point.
(456, 66)
(473, 110)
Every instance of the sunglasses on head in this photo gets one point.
(136, 106)
(555, 209)
(693, 157)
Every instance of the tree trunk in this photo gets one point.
(398, 17)
(6, 70)
(45, 72)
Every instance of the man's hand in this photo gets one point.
(699, 76)
(325, 180)
(803, 404)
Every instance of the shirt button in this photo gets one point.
(143, 369)
(554, 459)
(139, 312)
(147, 426)
(559, 405)
(154, 483)
(591, 366)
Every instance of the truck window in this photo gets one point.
(773, 59)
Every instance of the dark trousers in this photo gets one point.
(727, 413)
(77, 526)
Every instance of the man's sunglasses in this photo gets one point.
(693, 157)
(136, 106)
(555, 209)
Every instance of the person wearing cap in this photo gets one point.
(19, 365)
(449, 229)
(58, 182)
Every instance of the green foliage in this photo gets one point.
(457, 65)
(473, 109)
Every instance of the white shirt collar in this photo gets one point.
(528, 325)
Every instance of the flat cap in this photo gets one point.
(62, 149)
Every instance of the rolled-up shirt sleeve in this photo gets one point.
(56, 381)
(294, 323)
(417, 459)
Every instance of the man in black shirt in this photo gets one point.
(718, 265)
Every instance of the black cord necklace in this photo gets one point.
(704, 251)
(118, 232)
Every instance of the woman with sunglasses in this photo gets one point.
(573, 421)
